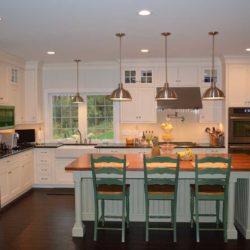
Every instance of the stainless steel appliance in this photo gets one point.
(9, 139)
(239, 130)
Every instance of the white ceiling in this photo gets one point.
(86, 29)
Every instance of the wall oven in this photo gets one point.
(239, 130)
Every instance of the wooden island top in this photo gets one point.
(240, 162)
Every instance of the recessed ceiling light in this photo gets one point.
(1, 19)
(51, 52)
(248, 49)
(144, 50)
(144, 12)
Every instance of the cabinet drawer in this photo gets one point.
(44, 179)
(43, 170)
(46, 161)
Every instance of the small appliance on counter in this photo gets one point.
(26, 136)
(9, 140)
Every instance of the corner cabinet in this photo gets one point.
(238, 79)
(142, 108)
(16, 176)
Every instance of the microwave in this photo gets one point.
(7, 117)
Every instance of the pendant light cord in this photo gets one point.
(212, 73)
(77, 74)
(120, 35)
(166, 34)
(120, 59)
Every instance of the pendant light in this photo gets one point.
(120, 94)
(77, 98)
(166, 93)
(213, 93)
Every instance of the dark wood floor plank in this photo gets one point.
(42, 221)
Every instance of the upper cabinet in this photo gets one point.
(180, 76)
(4, 85)
(33, 93)
(142, 108)
(238, 80)
(139, 75)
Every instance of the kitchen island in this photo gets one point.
(84, 193)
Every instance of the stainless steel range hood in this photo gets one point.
(188, 98)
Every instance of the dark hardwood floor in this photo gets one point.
(43, 220)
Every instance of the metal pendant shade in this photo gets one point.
(120, 94)
(213, 93)
(166, 93)
(77, 98)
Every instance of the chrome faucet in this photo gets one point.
(80, 135)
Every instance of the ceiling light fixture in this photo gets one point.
(1, 19)
(166, 93)
(213, 93)
(51, 52)
(144, 12)
(247, 49)
(144, 50)
(77, 98)
(120, 94)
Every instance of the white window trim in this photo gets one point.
(83, 113)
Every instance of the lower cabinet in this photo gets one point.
(16, 175)
(44, 166)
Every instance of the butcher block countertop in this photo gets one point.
(240, 162)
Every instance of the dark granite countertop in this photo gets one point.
(9, 152)
(178, 145)
(48, 145)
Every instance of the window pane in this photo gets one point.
(65, 117)
(100, 117)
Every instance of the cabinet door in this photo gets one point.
(142, 108)
(129, 109)
(3, 182)
(14, 179)
(238, 89)
(27, 170)
(4, 90)
(147, 105)
(183, 76)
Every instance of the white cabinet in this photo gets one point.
(183, 76)
(44, 165)
(180, 76)
(16, 175)
(4, 180)
(64, 155)
(138, 74)
(142, 108)
(4, 85)
(33, 93)
(16, 86)
(238, 85)
(27, 169)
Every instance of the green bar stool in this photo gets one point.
(161, 183)
(211, 184)
(109, 182)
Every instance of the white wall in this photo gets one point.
(103, 77)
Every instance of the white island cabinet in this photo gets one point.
(16, 175)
